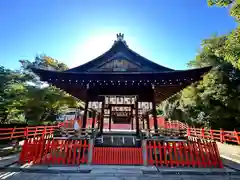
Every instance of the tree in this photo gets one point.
(22, 93)
(12, 94)
(231, 48)
(214, 101)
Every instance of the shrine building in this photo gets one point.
(121, 86)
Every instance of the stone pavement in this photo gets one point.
(122, 176)
(8, 160)
(123, 173)
(228, 151)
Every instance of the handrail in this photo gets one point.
(170, 127)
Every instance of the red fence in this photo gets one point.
(162, 123)
(190, 154)
(216, 135)
(27, 132)
(200, 154)
(117, 155)
(54, 151)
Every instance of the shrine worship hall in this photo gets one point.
(121, 90)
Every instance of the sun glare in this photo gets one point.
(91, 48)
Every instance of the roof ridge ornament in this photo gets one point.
(120, 38)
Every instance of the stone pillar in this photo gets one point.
(90, 150)
(144, 152)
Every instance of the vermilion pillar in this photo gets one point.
(154, 111)
(110, 119)
(136, 115)
(102, 116)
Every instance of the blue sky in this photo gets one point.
(76, 31)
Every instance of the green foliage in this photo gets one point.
(23, 98)
(214, 101)
(233, 4)
(220, 2)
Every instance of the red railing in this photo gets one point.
(216, 135)
(190, 154)
(162, 123)
(27, 132)
(54, 151)
(117, 155)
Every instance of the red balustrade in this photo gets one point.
(216, 135)
(41, 150)
(184, 154)
(27, 132)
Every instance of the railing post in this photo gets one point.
(237, 137)
(90, 151)
(44, 132)
(144, 152)
(11, 137)
(202, 133)
(26, 132)
(188, 131)
(221, 135)
(211, 134)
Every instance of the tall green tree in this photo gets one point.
(214, 101)
(23, 95)
(231, 48)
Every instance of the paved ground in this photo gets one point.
(33, 176)
(126, 173)
(5, 161)
(228, 151)
(123, 173)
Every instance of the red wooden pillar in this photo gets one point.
(102, 116)
(110, 119)
(136, 116)
(154, 111)
(131, 116)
